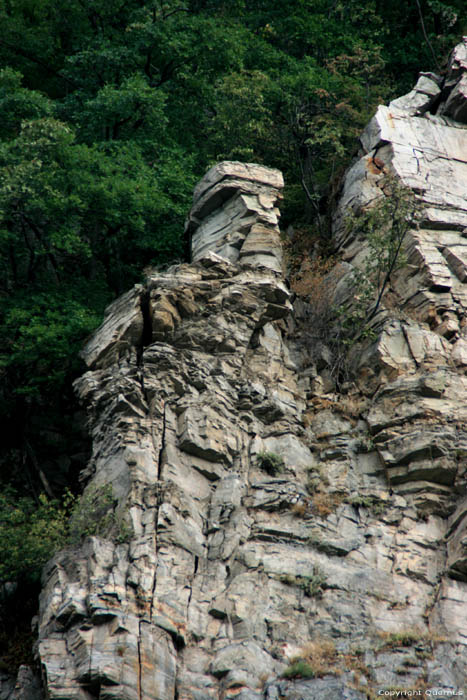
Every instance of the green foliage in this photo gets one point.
(299, 669)
(18, 103)
(372, 503)
(110, 112)
(94, 514)
(30, 533)
(312, 586)
(383, 227)
(39, 334)
(271, 462)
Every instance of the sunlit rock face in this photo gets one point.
(235, 214)
(267, 516)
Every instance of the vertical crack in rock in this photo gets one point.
(146, 336)
(272, 513)
(159, 497)
(193, 576)
(140, 663)
(163, 441)
(407, 340)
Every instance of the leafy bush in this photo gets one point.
(271, 462)
(94, 514)
(311, 585)
(384, 227)
(30, 533)
(333, 329)
(299, 669)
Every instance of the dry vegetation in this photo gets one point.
(315, 660)
(323, 504)
(320, 658)
(409, 638)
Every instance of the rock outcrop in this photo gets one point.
(271, 537)
(418, 416)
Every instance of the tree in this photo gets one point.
(109, 113)
(77, 225)
(383, 227)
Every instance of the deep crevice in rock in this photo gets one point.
(146, 336)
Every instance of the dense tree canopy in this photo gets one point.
(110, 112)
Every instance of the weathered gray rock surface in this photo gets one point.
(351, 557)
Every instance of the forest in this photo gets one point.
(109, 114)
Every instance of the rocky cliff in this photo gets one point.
(269, 536)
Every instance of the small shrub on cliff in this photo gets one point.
(384, 227)
(318, 658)
(316, 583)
(300, 509)
(408, 638)
(323, 503)
(299, 669)
(312, 586)
(335, 328)
(375, 505)
(94, 514)
(405, 638)
(271, 462)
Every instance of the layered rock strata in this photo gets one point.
(418, 365)
(235, 215)
(264, 517)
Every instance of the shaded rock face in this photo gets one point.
(273, 519)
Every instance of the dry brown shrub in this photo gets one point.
(351, 406)
(300, 509)
(311, 280)
(354, 662)
(326, 503)
(322, 656)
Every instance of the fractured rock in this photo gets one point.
(226, 572)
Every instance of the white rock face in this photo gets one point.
(235, 215)
(267, 511)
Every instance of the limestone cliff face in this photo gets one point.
(269, 517)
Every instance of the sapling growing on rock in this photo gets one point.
(384, 227)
